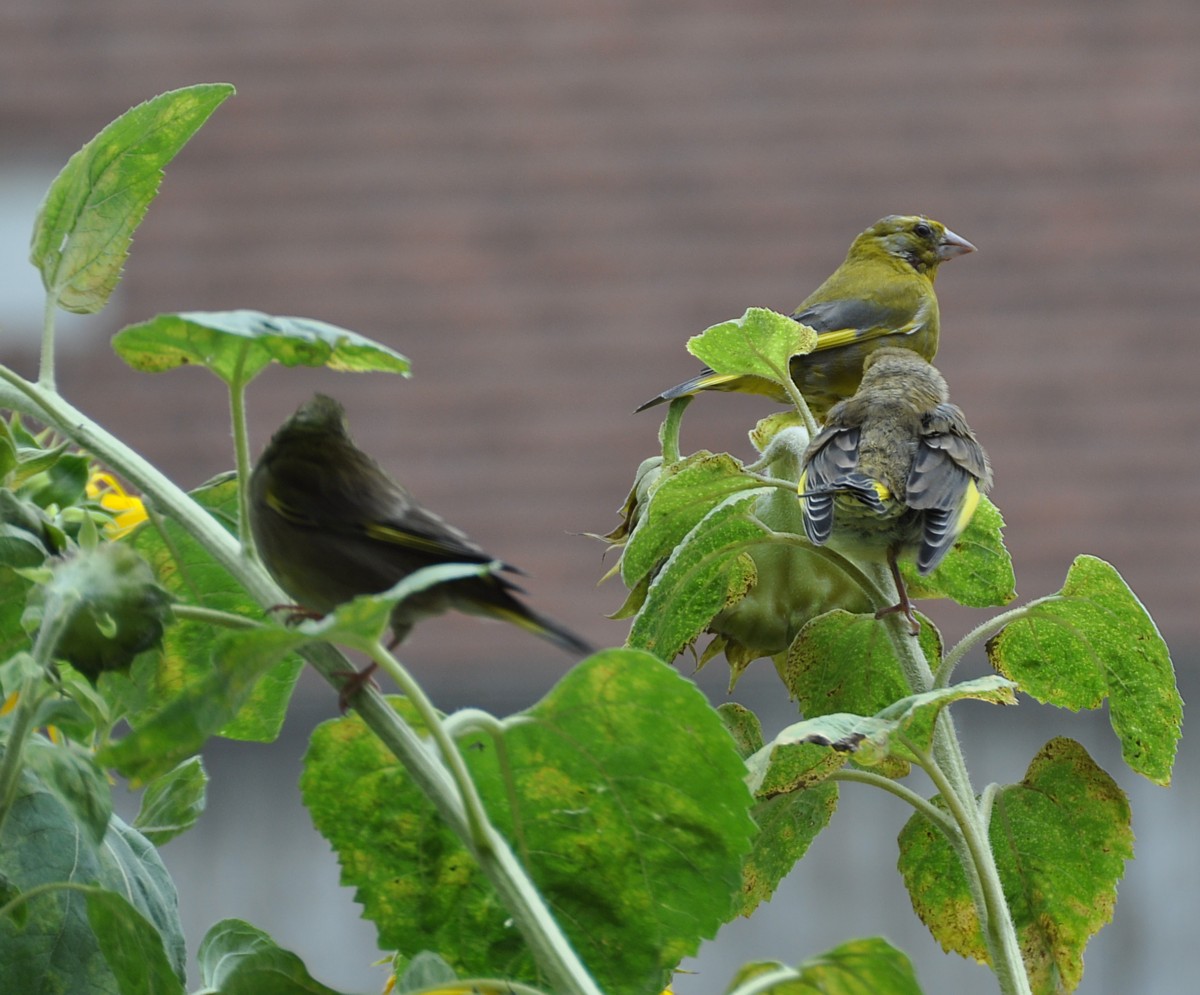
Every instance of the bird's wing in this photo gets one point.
(419, 530)
(831, 463)
(842, 322)
(949, 472)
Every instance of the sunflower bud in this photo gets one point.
(105, 607)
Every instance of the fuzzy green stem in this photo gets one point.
(985, 630)
(241, 453)
(901, 791)
(810, 423)
(948, 769)
(46, 368)
(477, 820)
(29, 699)
(983, 876)
(547, 942)
(668, 433)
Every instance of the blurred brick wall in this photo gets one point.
(539, 201)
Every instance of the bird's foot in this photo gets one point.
(354, 681)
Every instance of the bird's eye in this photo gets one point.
(922, 230)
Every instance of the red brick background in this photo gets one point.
(538, 201)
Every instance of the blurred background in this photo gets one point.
(538, 201)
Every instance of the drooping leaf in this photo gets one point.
(870, 966)
(626, 789)
(131, 945)
(236, 958)
(238, 345)
(71, 775)
(172, 803)
(683, 494)
(1094, 640)
(893, 732)
(707, 572)
(57, 945)
(87, 220)
(1061, 839)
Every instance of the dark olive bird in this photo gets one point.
(881, 295)
(330, 525)
(896, 471)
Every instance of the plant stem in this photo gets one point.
(668, 434)
(901, 791)
(29, 699)
(977, 635)
(948, 769)
(547, 942)
(241, 454)
(549, 945)
(46, 369)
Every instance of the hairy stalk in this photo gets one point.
(901, 791)
(547, 942)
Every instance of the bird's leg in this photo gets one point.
(295, 613)
(356, 680)
(903, 605)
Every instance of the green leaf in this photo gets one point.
(61, 484)
(57, 949)
(85, 224)
(760, 343)
(977, 572)
(181, 728)
(845, 663)
(71, 775)
(1093, 640)
(870, 966)
(684, 493)
(893, 732)
(1061, 838)
(172, 803)
(19, 549)
(238, 345)
(705, 574)
(236, 958)
(787, 824)
(626, 803)
(131, 945)
(743, 725)
(425, 970)
(189, 662)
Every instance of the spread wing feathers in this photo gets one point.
(949, 472)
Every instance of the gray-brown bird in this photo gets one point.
(331, 525)
(895, 471)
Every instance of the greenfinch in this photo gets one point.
(881, 295)
(330, 525)
(895, 471)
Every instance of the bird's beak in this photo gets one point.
(953, 245)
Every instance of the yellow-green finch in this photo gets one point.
(895, 471)
(881, 295)
(330, 525)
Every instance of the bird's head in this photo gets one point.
(920, 241)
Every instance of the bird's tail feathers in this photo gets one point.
(858, 485)
(526, 618)
(708, 380)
